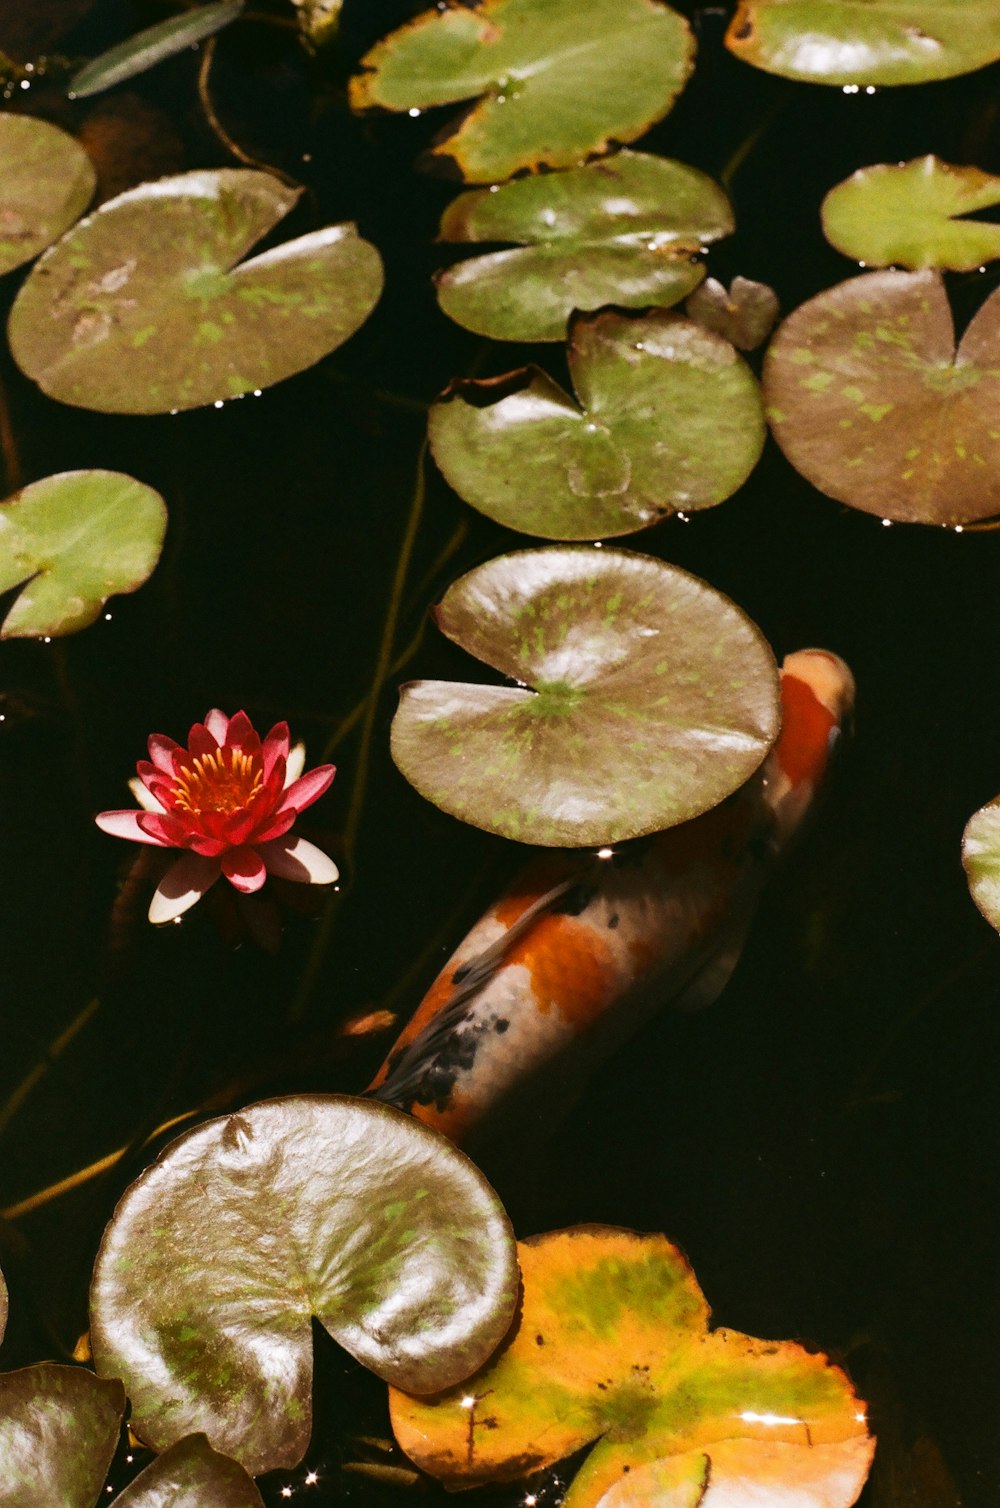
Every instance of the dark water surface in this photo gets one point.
(823, 1143)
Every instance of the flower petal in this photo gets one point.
(244, 868)
(163, 828)
(295, 859)
(200, 741)
(183, 884)
(125, 824)
(162, 751)
(275, 827)
(217, 724)
(308, 788)
(241, 733)
(295, 762)
(275, 747)
(145, 797)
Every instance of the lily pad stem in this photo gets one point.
(749, 144)
(231, 146)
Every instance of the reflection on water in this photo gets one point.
(823, 1142)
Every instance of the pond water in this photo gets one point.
(823, 1141)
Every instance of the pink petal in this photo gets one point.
(275, 747)
(200, 741)
(144, 796)
(126, 825)
(308, 788)
(275, 826)
(162, 751)
(183, 884)
(244, 868)
(295, 859)
(295, 763)
(217, 724)
(164, 829)
(210, 847)
(241, 734)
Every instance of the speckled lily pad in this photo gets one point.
(146, 307)
(58, 1432)
(191, 1475)
(46, 182)
(644, 697)
(909, 214)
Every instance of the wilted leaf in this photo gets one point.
(668, 417)
(77, 539)
(554, 83)
(870, 400)
(221, 1253)
(745, 315)
(152, 46)
(866, 41)
(319, 19)
(46, 182)
(613, 1346)
(644, 698)
(905, 213)
(58, 1432)
(142, 308)
(622, 230)
(191, 1475)
(981, 857)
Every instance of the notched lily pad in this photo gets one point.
(745, 315)
(612, 1349)
(870, 400)
(552, 85)
(145, 306)
(191, 1475)
(76, 539)
(623, 230)
(58, 1433)
(46, 182)
(644, 697)
(981, 858)
(220, 1255)
(908, 213)
(866, 41)
(668, 418)
(152, 46)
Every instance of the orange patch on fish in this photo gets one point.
(803, 748)
(437, 996)
(572, 971)
(453, 1119)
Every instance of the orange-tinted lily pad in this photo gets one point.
(613, 1349)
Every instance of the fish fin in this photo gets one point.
(706, 985)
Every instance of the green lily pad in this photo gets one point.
(58, 1433)
(906, 213)
(870, 400)
(669, 418)
(623, 230)
(745, 315)
(152, 46)
(866, 41)
(612, 1349)
(143, 309)
(222, 1252)
(46, 182)
(191, 1475)
(644, 697)
(552, 85)
(981, 858)
(76, 539)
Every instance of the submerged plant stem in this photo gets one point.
(219, 130)
(53, 1052)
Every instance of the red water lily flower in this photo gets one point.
(230, 800)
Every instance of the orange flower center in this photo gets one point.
(226, 781)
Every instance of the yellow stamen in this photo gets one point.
(213, 784)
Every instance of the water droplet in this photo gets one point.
(25, 83)
(107, 617)
(605, 853)
(219, 403)
(887, 523)
(959, 529)
(598, 544)
(47, 639)
(414, 113)
(870, 89)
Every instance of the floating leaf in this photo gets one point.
(668, 418)
(870, 400)
(745, 315)
(152, 46)
(58, 1432)
(191, 1475)
(142, 308)
(612, 1346)
(77, 539)
(553, 84)
(981, 857)
(905, 213)
(623, 230)
(46, 182)
(220, 1254)
(866, 41)
(644, 698)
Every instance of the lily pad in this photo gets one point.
(612, 1346)
(191, 1475)
(870, 400)
(644, 697)
(745, 315)
(220, 1255)
(866, 41)
(152, 46)
(552, 85)
(623, 230)
(142, 308)
(668, 418)
(905, 213)
(981, 858)
(58, 1433)
(46, 182)
(76, 539)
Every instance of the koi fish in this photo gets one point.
(579, 952)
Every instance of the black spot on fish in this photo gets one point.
(613, 920)
(539, 1340)
(461, 973)
(500, 1027)
(576, 899)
